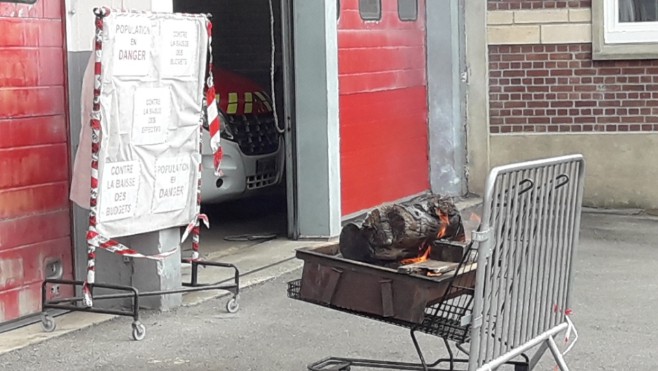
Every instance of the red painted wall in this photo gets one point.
(383, 106)
(34, 155)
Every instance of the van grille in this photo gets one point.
(255, 134)
(261, 180)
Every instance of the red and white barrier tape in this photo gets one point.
(107, 244)
(571, 328)
(96, 133)
(195, 223)
(212, 110)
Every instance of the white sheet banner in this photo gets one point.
(153, 71)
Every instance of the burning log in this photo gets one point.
(399, 234)
(431, 268)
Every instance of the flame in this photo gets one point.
(445, 222)
(419, 259)
(443, 230)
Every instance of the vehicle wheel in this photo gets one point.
(48, 323)
(232, 306)
(139, 331)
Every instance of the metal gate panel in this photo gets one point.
(383, 106)
(34, 162)
(531, 222)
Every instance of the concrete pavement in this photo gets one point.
(615, 297)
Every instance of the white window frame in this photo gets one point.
(626, 32)
(621, 40)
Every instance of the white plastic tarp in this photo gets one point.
(153, 71)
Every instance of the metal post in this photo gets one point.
(556, 354)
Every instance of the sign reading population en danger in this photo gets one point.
(132, 54)
(172, 183)
(151, 98)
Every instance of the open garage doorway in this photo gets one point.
(249, 203)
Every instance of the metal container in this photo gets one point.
(330, 280)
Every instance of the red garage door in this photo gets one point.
(34, 166)
(383, 101)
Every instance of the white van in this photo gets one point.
(252, 143)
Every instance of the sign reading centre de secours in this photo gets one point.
(153, 70)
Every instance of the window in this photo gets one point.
(408, 10)
(637, 11)
(370, 10)
(625, 29)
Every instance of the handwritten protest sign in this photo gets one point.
(120, 185)
(132, 47)
(172, 183)
(152, 115)
(179, 43)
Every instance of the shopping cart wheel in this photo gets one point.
(232, 305)
(48, 323)
(139, 331)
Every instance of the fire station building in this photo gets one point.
(382, 100)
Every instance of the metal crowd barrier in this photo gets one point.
(527, 238)
(517, 301)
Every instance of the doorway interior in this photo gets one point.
(254, 202)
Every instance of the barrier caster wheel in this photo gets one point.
(48, 323)
(232, 306)
(139, 331)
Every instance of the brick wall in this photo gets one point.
(558, 88)
(542, 77)
(537, 4)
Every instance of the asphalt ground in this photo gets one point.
(614, 302)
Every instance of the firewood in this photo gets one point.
(392, 233)
(432, 268)
(354, 244)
